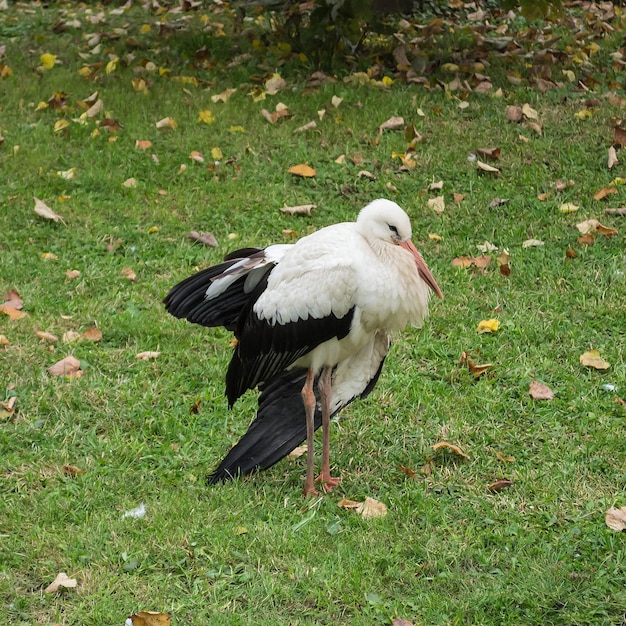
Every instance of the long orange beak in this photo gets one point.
(422, 268)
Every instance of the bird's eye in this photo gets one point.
(393, 229)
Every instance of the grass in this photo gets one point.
(449, 551)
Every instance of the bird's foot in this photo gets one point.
(328, 481)
(310, 491)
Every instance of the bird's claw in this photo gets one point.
(328, 482)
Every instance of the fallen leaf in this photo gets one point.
(302, 209)
(46, 212)
(570, 253)
(297, 452)
(514, 113)
(592, 358)
(485, 167)
(500, 484)
(488, 326)
(587, 240)
(612, 158)
(618, 211)
(196, 156)
(592, 225)
(12, 313)
(130, 182)
(274, 84)
(150, 618)
(137, 513)
(62, 580)
(170, 123)
(489, 153)
(143, 144)
(529, 112)
(435, 237)
(458, 197)
(408, 471)
(70, 336)
(437, 204)
(444, 445)
(482, 262)
(4, 341)
(619, 136)
(312, 125)
(367, 509)
(393, 123)
(92, 334)
(616, 518)
(531, 243)
(46, 336)
(397, 621)
(438, 186)
(207, 239)
(604, 192)
(224, 96)
(48, 60)
(129, 273)
(505, 459)
(475, 370)
(72, 274)
(496, 202)
(68, 367)
(568, 207)
(336, 101)
(539, 391)
(366, 174)
(72, 470)
(462, 261)
(146, 356)
(303, 170)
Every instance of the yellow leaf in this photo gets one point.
(48, 60)
(488, 326)
(85, 70)
(42, 105)
(206, 116)
(224, 96)
(584, 114)
(49, 256)
(568, 207)
(60, 125)
(145, 28)
(111, 65)
(153, 229)
(387, 81)
(592, 358)
(236, 129)
(302, 170)
(434, 236)
(216, 154)
(150, 618)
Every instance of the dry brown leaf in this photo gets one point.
(43, 210)
(539, 391)
(587, 240)
(529, 113)
(46, 336)
(68, 367)
(496, 202)
(475, 370)
(370, 508)
(312, 125)
(503, 458)
(604, 192)
(70, 336)
(72, 470)
(482, 262)
(393, 123)
(4, 341)
(499, 485)
(150, 618)
(72, 274)
(207, 239)
(224, 96)
(303, 170)
(62, 580)
(489, 153)
(619, 136)
(535, 127)
(514, 113)
(570, 253)
(531, 243)
(13, 299)
(592, 358)
(130, 182)
(408, 471)
(297, 452)
(618, 211)
(13, 314)
(301, 209)
(143, 144)
(437, 204)
(146, 356)
(612, 159)
(438, 186)
(129, 273)
(616, 518)
(397, 621)
(462, 261)
(458, 197)
(485, 167)
(592, 225)
(366, 174)
(92, 334)
(444, 445)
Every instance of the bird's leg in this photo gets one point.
(325, 387)
(308, 399)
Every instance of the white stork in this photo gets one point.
(320, 309)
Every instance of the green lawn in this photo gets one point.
(449, 551)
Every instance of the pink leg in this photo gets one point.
(308, 399)
(324, 385)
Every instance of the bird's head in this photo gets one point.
(385, 221)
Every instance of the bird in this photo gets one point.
(312, 323)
